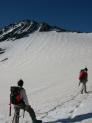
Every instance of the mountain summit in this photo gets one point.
(23, 28)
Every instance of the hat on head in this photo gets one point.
(20, 82)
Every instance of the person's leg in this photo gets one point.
(30, 111)
(82, 88)
(16, 115)
(85, 90)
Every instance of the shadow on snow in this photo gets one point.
(89, 92)
(72, 120)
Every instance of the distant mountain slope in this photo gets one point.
(23, 28)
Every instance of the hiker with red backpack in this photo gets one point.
(83, 78)
(19, 99)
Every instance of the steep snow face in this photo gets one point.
(49, 64)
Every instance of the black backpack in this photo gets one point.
(15, 97)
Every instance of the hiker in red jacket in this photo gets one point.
(83, 77)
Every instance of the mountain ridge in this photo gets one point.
(23, 28)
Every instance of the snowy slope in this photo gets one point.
(49, 64)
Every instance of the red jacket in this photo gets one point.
(83, 75)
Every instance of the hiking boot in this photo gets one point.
(37, 121)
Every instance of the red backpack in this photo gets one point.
(15, 97)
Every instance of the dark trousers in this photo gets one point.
(84, 89)
(25, 108)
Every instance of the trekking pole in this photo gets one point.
(23, 113)
(79, 84)
(10, 109)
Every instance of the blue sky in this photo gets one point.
(69, 14)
